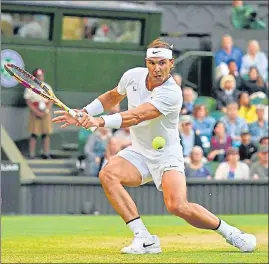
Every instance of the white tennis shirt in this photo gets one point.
(167, 98)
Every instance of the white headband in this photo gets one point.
(159, 53)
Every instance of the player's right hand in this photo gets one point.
(65, 118)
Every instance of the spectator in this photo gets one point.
(247, 148)
(226, 93)
(188, 135)
(228, 52)
(202, 124)
(259, 128)
(232, 168)
(196, 167)
(259, 169)
(234, 124)
(178, 78)
(246, 109)
(95, 150)
(255, 82)
(113, 147)
(245, 17)
(220, 143)
(40, 123)
(33, 28)
(264, 141)
(254, 58)
(188, 101)
(233, 70)
(123, 136)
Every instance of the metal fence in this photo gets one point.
(76, 195)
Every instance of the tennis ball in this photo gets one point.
(158, 143)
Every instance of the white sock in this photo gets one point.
(137, 226)
(225, 229)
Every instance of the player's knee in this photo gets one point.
(107, 175)
(177, 208)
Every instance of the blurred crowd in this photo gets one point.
(38, 26)
(224, 136)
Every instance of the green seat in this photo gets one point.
(212, 167)
(209, 102)
(217, 114)
(265, 101)
(259, 100)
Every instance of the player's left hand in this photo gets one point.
(87, 121)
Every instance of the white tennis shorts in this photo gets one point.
(150, 171)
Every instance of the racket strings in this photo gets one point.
(30, 79)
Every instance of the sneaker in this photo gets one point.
(143, 245)
(245, 242)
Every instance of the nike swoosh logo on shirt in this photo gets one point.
(147, 245)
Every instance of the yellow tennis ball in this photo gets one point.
(158, 143)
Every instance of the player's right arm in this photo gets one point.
(108, 100)
(101, 104)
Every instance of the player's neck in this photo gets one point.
(150, 84)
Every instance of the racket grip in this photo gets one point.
(74, 114)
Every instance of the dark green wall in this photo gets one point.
(78, 71)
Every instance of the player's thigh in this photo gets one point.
(122, 170)
(174, 188)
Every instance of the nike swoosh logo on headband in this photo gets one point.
(154, 52)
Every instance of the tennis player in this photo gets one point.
(154, 103)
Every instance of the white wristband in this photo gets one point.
(95, 108)
(112, 121)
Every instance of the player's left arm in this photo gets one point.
(166, 101)
(133, 117)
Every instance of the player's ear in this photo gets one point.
(172, 61)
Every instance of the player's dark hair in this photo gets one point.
(159, 43)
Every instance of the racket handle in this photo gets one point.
(74, 114)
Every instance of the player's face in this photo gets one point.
(159, 69)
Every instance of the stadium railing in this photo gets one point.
(69, 195)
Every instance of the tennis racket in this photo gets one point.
(31, 82)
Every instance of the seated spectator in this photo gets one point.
(33, 28)
(264, 141)
(189, 137)
(247, 148)
(254, 83)
(254, 58)
(234, 124)
(233, 70)
(245, 17)
(123, 136)
(113, 147)
(202, 123)
(228, 51)
(178, 78)
(220, 143)
(246, 109)
(95, 149)
(232, 168)
(188, 101)
(259, 128)
(259, 169)
(196, 167)
(226, 93)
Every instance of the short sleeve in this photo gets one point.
(167, 100)
(123, 84)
